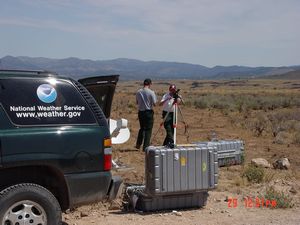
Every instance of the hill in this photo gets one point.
(292, 75)
(131, 69)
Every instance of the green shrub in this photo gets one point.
(131, 105)
(200, 104)
(260, 124)
(242, 158)
(254, 174)
(246, 102)
(296, 138)
(282, 200)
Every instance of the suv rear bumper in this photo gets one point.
(85, 188)
(115, 188)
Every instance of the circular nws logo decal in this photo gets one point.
(46, 93)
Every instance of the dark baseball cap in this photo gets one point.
(147, 81)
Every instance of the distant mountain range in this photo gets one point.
(131, 69)
(292, 75)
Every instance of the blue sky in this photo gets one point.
(206, 32)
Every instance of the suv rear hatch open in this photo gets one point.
(102, 88)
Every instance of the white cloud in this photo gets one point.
(163, 27)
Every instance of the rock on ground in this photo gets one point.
(282, 163)
(260, 162)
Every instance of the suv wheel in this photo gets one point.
(28, 204)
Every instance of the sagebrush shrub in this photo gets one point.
(254, 174)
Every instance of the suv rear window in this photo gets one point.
(46, 101)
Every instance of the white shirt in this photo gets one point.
(168, 104)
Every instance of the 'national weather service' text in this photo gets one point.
(47, 111)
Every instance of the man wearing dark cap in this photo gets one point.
(145, 99)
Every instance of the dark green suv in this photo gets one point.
(55, 146)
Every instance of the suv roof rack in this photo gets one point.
(37, 72)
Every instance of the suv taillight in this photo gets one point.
(107, 154)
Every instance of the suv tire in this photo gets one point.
(28, 203)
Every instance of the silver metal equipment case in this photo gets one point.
(176, 178)
(230, 152)
(182, 169)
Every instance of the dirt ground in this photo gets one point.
(201, 124)
(215, 212)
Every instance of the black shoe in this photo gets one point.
(137, 146)
(170, 145)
